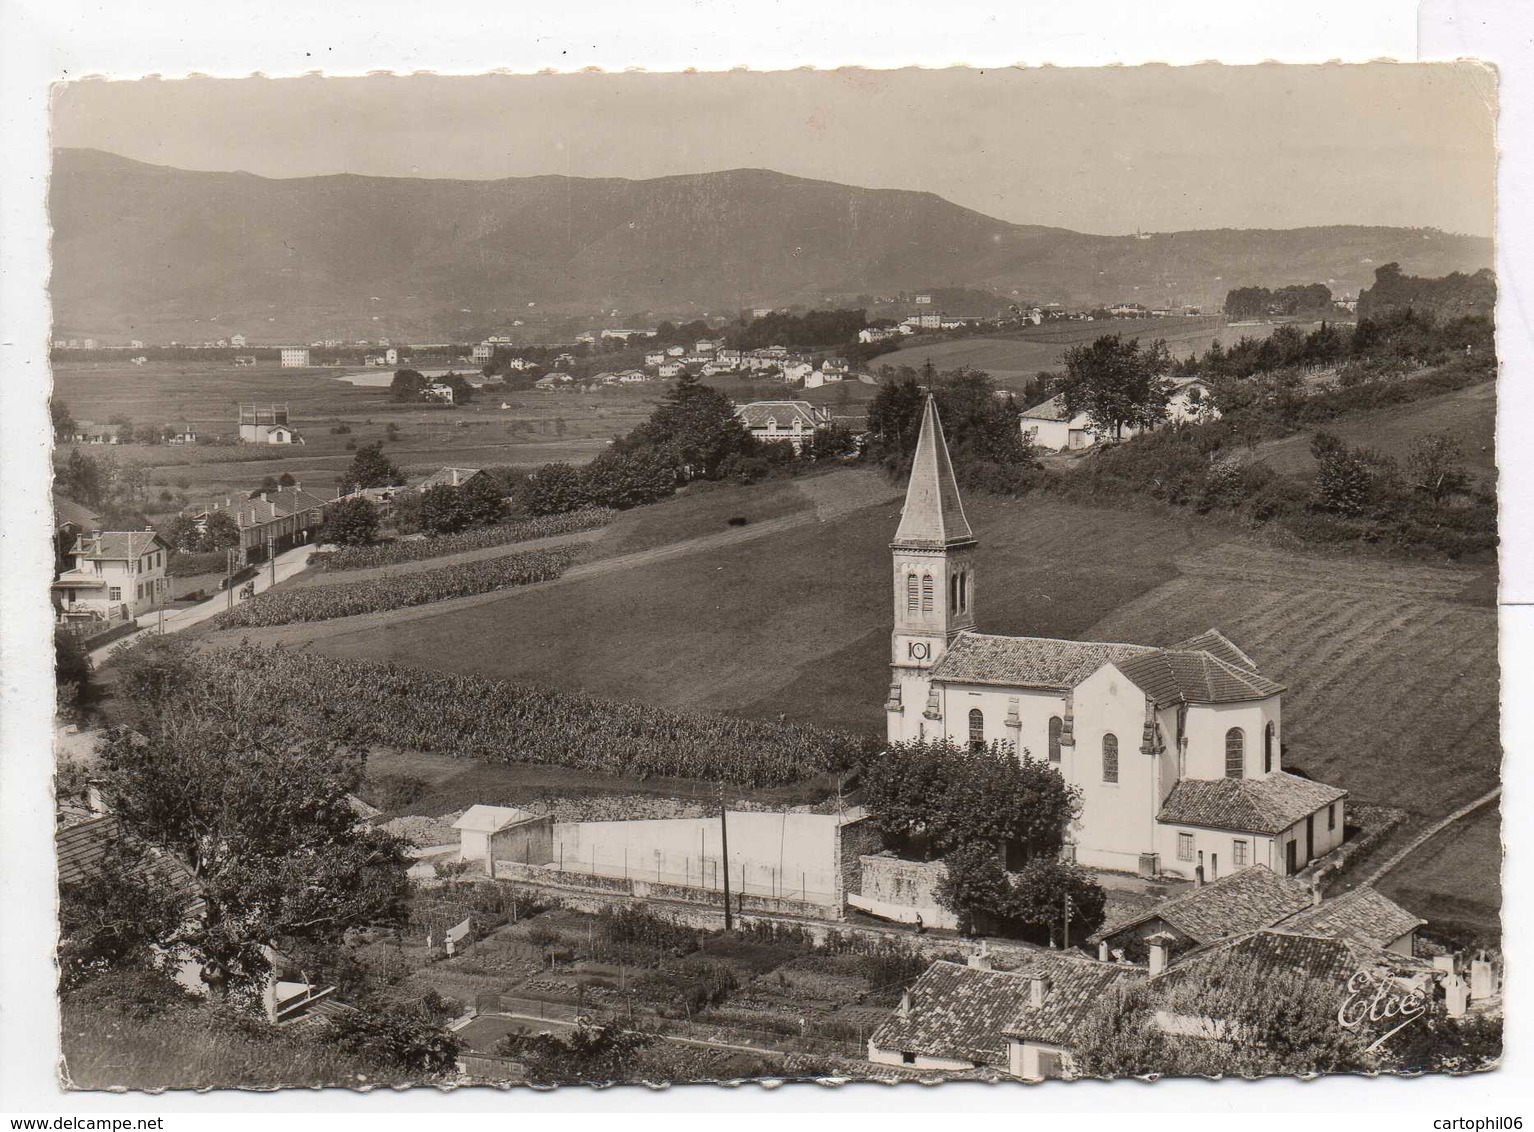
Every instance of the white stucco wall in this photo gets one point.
(1117, 822)
(1207, 725)
(1218, 848)
(1034, 709)
(895, 1057)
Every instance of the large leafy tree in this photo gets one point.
(552, 489)
(484, 499)
(222, 779)
(982, 427)
(407, 386)
(371, 468)
(351, 522)
(1117, 382)
(117, 914)
(694, 429)
(88, 479)
(443, 510)
(628, 479)
(592, 1054)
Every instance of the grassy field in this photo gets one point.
(1468, 415)
(1016, 358)
(1455, 879)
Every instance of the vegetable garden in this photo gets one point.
(346, 599)
(494, 721)
(414, 550)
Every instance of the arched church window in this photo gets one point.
(1056, 725)
(1268, 735)
(963, 591)
(976, 730)
(926, 593)
(953, 593)
(1235, 753)
(1110, 758)
(912, 601)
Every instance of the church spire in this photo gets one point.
(933, 514)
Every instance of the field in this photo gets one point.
(1468, 415)
(1013, 359)
(1455, 878)
(534, 428)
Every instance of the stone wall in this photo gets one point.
(902, 890)
(856, 839)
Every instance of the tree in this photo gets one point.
(405, 515)
(396, 1036)
(1046, 887)
(408, 385)
(443, 511)
(114, 917)
(463, 392)
(371, 468)
(1435, 467)
(483, 499)
(350, 522)
(829, 443)
(1117, 383)
(215, 776)
(124, 428)
(286, 480)
(553, 489)
(894, 414)
(628, 479)
(72, 670)
(1241, 1017)
(694, 430)
(976, 888)
(88, 479)
(1352, 482)
(64, 426)
(592, 1055)
(220, 532)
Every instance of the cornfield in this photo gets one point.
(495, 721)
(414, 550)
(346, 599)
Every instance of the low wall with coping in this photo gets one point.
(905, 891)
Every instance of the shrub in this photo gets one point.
(688, 987)
(415, 550)
(322, 603)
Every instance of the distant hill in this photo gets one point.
(148, 251)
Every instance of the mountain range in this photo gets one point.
(152, 251)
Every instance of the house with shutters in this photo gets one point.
(114, 577)
(793, 421)
(1177, 750)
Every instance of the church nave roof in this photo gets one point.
(1183, 676)
(1028, 662)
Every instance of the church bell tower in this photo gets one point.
(934, 582)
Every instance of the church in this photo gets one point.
(1177, 751)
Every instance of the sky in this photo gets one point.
(1109, 150)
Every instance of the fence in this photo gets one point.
(747, 878)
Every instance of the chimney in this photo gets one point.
(1160, 952)
(1198, 877)
(905, 1004)
(981, 960)
(1104, 955)
(1038, 991)
(1315, 891)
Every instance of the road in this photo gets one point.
(1431, 832)
(288, 564)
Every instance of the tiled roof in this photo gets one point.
(957, 1012)
(1274, 951)
(1076, 986)
(933, 515)
(68, 512)
(279, 504)
(1253, 898)
(1364, 916)
(1176, 676)
(1218, 645)
(80, 849)
(1246, 805)
(757, 413)
(1027, 662)
(448, 477)
(117, 545)
(1051, 410)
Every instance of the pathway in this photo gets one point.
(1429, 833)
(288, 564)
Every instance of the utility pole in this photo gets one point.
(1067, 922)
(271, 553)
(724, 854)
(229, 574)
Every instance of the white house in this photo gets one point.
(1177, 751)
(295, 357)
(482, 353)
(1190, 402)
(793, 421)
(490, 833)
(655, 358)
(116, 575)
(260, 424)
(671, 369)
(796, 373)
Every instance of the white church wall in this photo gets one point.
(1118, 819)
(1034, 709)
(1218, 846)
(1206, 729)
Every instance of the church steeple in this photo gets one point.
(934, 583)
(933, 515)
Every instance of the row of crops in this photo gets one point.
(346, 599)
(500, 534)
(496, 721)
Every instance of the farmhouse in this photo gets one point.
(1177, 751)
(116, 575)
(793, 421)
(451, 477)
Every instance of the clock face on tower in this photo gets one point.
(918, 650)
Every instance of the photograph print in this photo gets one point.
(898, 576)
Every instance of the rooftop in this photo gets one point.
(1181, 676)
(1051, 410)
(1266, 805)
(756, 414)
(1028, 662)
(1364, 916)
(1253, 898)
(279, 504)
(933, 515)
(1275, 951)
(956, 1012)
(490, 819)
(117, 546)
